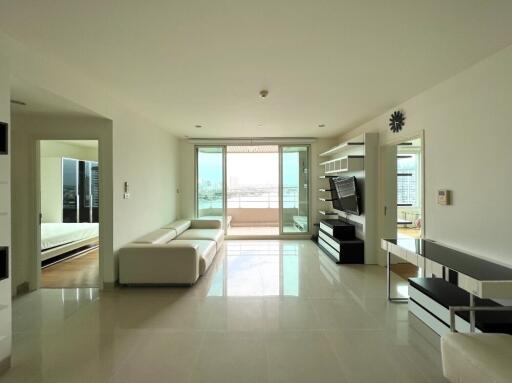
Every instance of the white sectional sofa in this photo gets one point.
(473, 357)
(178, 253)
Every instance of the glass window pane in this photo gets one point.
(295, 189)
(210, 182)
(69, 190)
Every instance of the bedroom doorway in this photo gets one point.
(69, 217)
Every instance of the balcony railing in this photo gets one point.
(250, 198)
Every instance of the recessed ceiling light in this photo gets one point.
(321, 125)
(263, 93)
(199, 126)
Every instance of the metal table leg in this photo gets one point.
(388, 275)
(472, 313)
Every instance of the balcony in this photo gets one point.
(255, 210)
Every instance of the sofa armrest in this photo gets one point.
(158, 264)
(206, 224)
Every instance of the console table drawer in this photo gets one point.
(330, 241)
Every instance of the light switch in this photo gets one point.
(126, 194)
(444, 197)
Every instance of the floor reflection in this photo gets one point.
(255, 270)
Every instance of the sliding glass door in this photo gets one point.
(243, 198)
(294, 190)
(210, 180)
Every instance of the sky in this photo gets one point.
(249, 169)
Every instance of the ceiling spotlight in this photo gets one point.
(321, 125)
(264, 93)
(198, 126)
(17, 102)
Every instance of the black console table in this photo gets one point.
(478, 277)
(338, 240)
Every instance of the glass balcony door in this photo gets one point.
(294, 189)
(210, 182)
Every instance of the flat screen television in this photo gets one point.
(345, 194)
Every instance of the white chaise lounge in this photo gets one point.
(178, 253)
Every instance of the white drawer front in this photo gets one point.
(330, 241)
(431, 321)
(433, 268)
(326, 246)
(469, 284)
(326, 228)
(438, 310)
(411, 257)
(397, 251)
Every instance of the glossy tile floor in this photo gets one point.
(267, 311)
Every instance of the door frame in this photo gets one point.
(421, 136)
(27, 141)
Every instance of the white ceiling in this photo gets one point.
(330, 62)
(40, 101)
(90, 144)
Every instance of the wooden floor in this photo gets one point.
(410, 231)
(81, 271)
(405, 270)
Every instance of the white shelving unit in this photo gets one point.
(342, 147)
(356, 157)
(350, 163)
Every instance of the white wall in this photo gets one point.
(145, 158)
(51, 190)
(5, 222)
(467, 122)
(143, 154)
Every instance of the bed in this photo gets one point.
(60, 238)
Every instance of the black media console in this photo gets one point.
(338, 240)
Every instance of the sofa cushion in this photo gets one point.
(206, 251)
(180, 226)
(206, 224)
(158, 236)
(477, 357)
(216, 235)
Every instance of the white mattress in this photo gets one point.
(56, 234)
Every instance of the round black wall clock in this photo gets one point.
(397, 121)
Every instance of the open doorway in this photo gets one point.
(252, 190)
(409, 188)
(69, 195)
